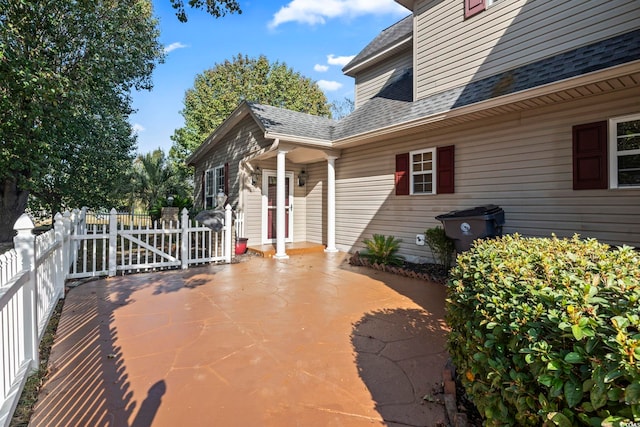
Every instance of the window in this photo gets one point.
(624, 151)
(214, 182)
(422, 171)
(428, 171)
(473, 7)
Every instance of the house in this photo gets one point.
(532, 105)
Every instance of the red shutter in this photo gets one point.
(402, 174)
(472, 7)
(590, 156)
(226, 179)
(445, 162)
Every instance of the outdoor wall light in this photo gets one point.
(170, 200)
(302, 178)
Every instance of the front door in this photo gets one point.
(269, 215)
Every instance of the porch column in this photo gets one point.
(331, 204)
(280, 209)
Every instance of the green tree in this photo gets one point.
(66, 72)
(341, 109)
(154, 179)
(216, 8)
(218, 91)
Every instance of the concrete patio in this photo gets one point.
(308, 341)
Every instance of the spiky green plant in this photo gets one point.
(383, 250)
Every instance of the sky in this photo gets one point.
(313, 37)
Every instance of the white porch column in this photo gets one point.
(280, 208)
(331, 204)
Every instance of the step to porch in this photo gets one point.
(296, 248)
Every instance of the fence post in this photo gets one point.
(24, 243)
(185, 224)
(228, 223)
(69, 256)
(113, 241)
(83, 220)
(60, 256)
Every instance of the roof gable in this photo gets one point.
(389, 39)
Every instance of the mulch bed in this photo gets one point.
(427, 271)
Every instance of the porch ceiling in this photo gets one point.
(298, 154)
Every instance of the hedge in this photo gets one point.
(546, 331)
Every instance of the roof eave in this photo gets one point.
(406, 3)
(317, 142)
(241, 111)
(350, 70)
(546, 89)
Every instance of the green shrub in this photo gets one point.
(155, 212)
(382, 250)
(547, 331)
(441, 246)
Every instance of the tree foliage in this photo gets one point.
(341, 109)
(66, 72)
(154, 180)
(216, 8)
(218, 91)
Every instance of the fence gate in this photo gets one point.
(108, 243)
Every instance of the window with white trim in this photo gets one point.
(422, 168)
(213, 184)
(624, 151)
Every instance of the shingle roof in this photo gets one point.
(287, 122)
(387, 38)
(380, 112)
(393, 104)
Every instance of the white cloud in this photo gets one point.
(339, 60)
(137, 128)
(329, 86)
(174, 46)
(314, 12)
(320, 68)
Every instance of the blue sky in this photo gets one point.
(314, 37)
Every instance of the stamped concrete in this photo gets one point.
(307, 341)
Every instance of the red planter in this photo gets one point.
(241, 245)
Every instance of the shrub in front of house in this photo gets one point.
(382, 250)
(547, 331)
(442, 247)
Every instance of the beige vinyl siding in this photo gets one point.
(372, 80)
(253, 215)
(229, 151)
(316, 202)
(451, 51)
(243, 140)
(521, 162)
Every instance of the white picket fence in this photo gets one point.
(83, 244)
